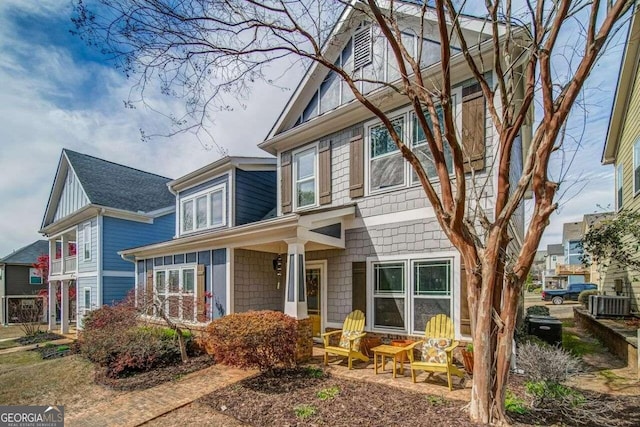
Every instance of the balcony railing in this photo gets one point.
(56, 266)
(64, 266)
(70, 264)
(571, 269)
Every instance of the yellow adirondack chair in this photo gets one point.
(351, 335)
(437, 350)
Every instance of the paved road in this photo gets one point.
(563, 311)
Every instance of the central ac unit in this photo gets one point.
(609, 305)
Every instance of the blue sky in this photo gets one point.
(57, 93)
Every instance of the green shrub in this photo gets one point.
(255, 339)
(304, 411)
(553, 391)
(538, 310)
(583, 298)
(328, 393)
(513, 403)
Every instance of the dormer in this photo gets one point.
(229, 192)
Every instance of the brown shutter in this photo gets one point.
(465, 318)
(285, 182)
(147, 297)
(356, 166)
(202, 307)
(473, 124)
(359, 286)
(324, 172)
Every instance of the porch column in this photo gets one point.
(295, 302)
(64, 307)
(52, 304)
(64, 252)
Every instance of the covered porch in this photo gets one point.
(61, 298)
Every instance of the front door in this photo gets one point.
(314, 280)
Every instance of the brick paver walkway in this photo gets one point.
(138, 407)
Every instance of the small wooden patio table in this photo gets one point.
(391, 352)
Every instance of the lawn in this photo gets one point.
(28, 380)
(10, 332)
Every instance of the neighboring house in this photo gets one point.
(96, 208)
(573, 267)
(353, 229)
(555, 257)
(217, 208)
(622, 150)
(20, 282)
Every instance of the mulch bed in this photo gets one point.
(56, 351)
(36, 339)
(293, 398)
(144, 380)
(272, 399)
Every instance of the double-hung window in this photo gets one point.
(636, 167)
(204, 210)
(175, 290)
(406, 293)
(86, 242)
(389, 295)
(305, 178)
(421, 147)
(386, 167)
(619, 177)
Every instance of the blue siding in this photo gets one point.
(115, 289)
(219, 279)
(119, 234)
(255, 195)
(208, 184)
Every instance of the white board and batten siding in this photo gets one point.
(72, 198)
(88, 265)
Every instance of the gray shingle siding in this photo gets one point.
(422, 236)
(255, 282)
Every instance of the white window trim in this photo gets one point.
(294, 181)
(86, 240)
(407, 112)
(180, 268)
(453, 256)
(192, 198)
(84, 298)
(636, 164)
(619, 179)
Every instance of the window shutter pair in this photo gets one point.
(473, 126)
(324, 177)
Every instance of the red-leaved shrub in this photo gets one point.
(255, 339)
(113, 340)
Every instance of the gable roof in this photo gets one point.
(628, 71)
(333, 45)
(120, 187)
(111, 185)
(28, 254)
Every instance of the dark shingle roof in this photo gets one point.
(120, 187)
(29, 254)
